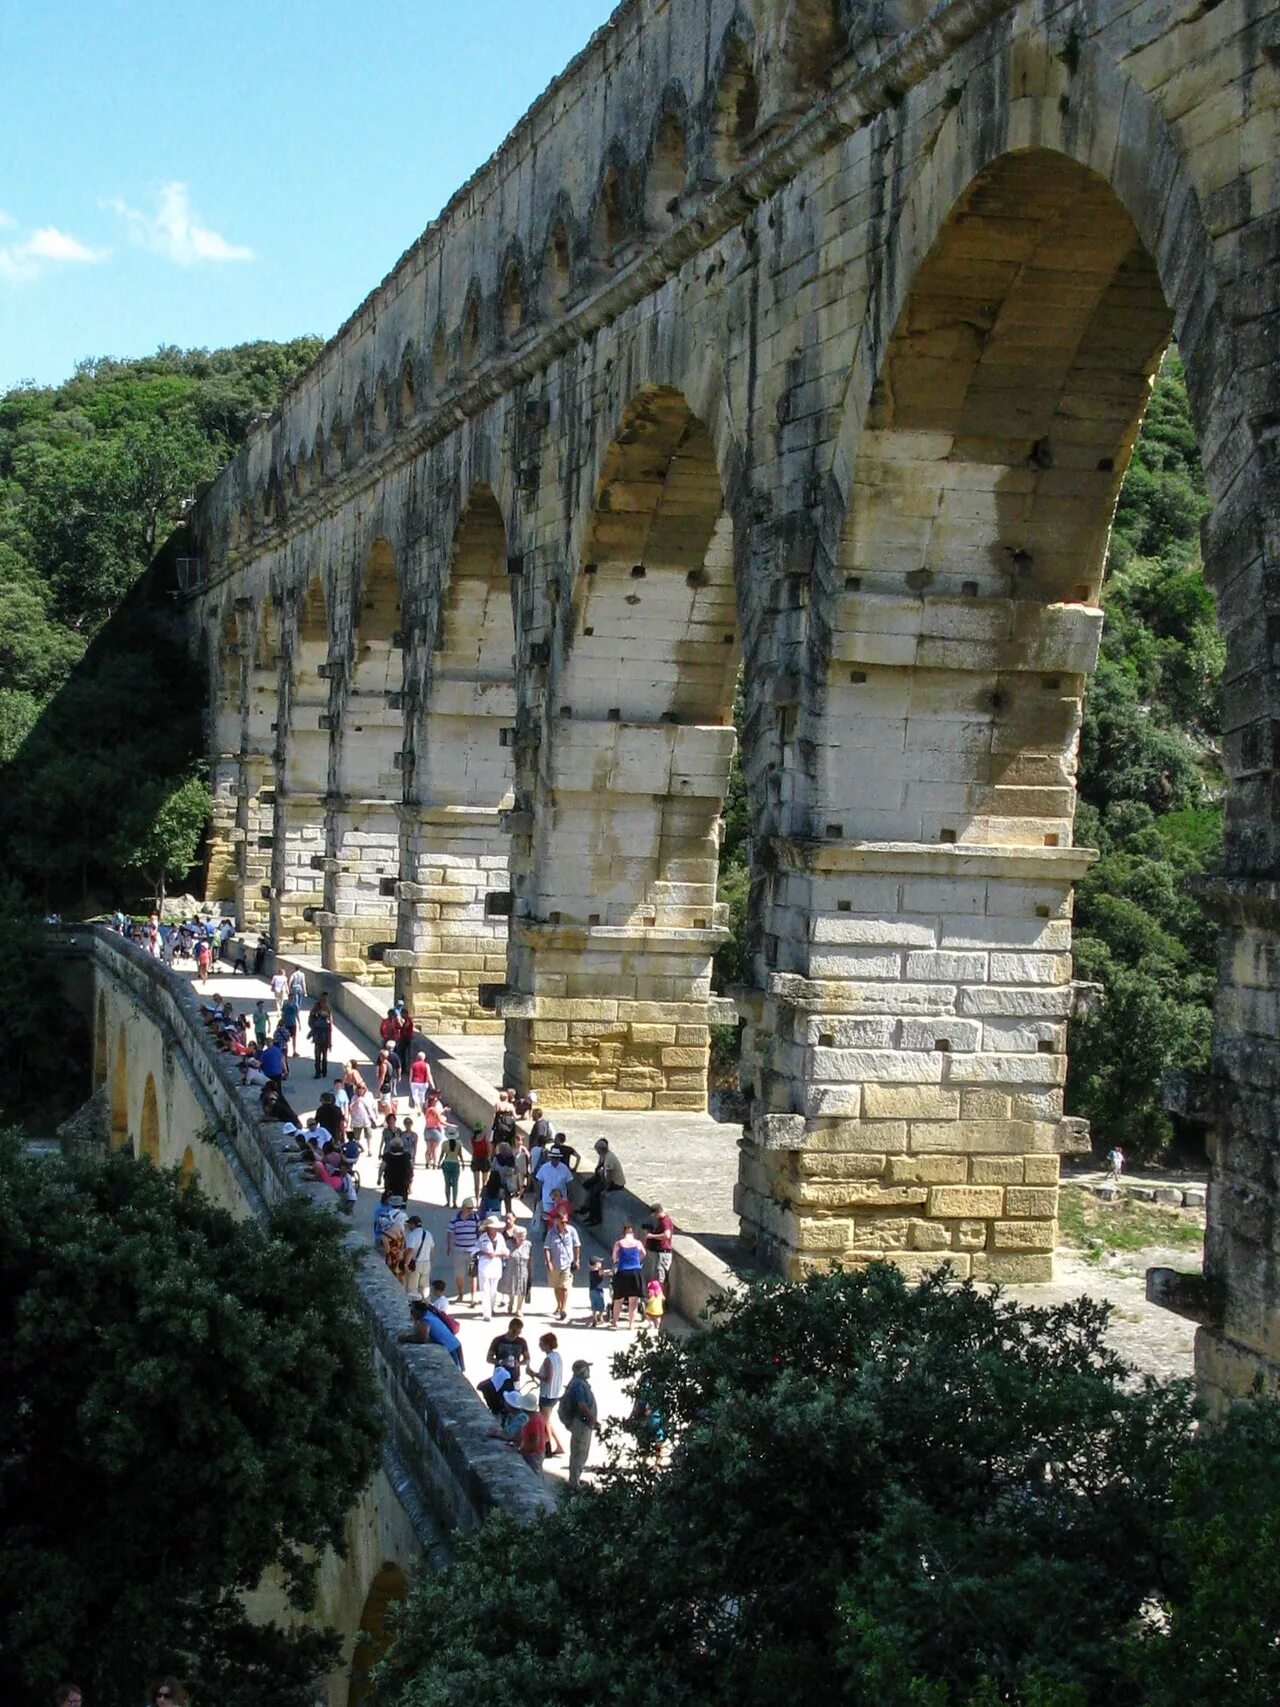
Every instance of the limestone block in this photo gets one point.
(969, 1235)
(863, 1137)
(985, 1105)
(677, 1056)
(826, 1165)
(1011, 1268)
(841, 1033)
(943, 967)
(1054, 1003)
(1030, 968)
(959, 1034)
(929, 1236)
(922, 1102)
(926, 1170)
(685, 1101)
(997, 1170)
(951, 1201)
(1031, 1202)
(892, 1066)
(979, 1137)
(1007, 1069)
(1041, 1170)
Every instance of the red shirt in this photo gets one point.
(406, 1029)
(419, 1073)
(532, 1439)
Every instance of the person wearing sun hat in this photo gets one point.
(578, 1410)
(491, 1254)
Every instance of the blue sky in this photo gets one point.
(204, 174)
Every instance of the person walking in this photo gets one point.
(397, 1168)
(290, 1017)
(320, 1031)
(562, 1251)
(419, 1080)
(433, 1128)
(578, 1411)
(204, 960)
(419, 1247)
(362, 1118)
(628, 1289)
(451, 1159)
(481, 1152)
(404, 1039)
(298, 987)
(517, 1275)
(460, 1244)
(550, 1387)
(491, 1254)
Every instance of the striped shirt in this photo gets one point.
(464, 1230)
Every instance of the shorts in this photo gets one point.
(627, 1284)
(563, 1277)
(596, 1295)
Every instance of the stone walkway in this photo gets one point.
(576, 1338)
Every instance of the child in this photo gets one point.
(654, 1303)
(597, 1274)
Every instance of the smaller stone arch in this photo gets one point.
(439, 359)
(406, 388)
(469, 332)
(358, 437)
(302, 472)
(149, 1128)
(557, 266)
(120, 1093)
(374, 1634)
(512, 298)
(668, 165)
(735, 111)
(380, 415)
(608, 222)
(335, 447)
(100, 1061)
(187, 1172)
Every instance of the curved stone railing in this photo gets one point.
(446, 1468)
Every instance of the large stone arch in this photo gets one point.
(363, 854)
(1003, 370)
(455, 899)
(120, 1138)
(149, 1124)
(262, 740)
(300, 839)
(615, 908)
(101, 1057)
(373, 1636)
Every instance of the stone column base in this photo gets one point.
(299, 873)
(360, 877)
(454, 905)
(609, 1017)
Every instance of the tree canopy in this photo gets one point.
(100, 705)
(879, 1494)
(186, 1402)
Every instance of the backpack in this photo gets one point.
(565, 1410)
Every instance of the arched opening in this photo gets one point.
(335, 449)
(302, 473)
(187, 1170)
(512, 301)
(625, 864)
(667, 169)
(557, 268)
(358, 438)
(100, 1042)
(607, 227)
(381, 409)
(298, 847)
(149, 1131)
(408, 401)
(470, 335)
(737, 107)
(1008, 394)
(813, 35)
(364, 829)
(120, 1094)
(463, 780)
(374, 1635)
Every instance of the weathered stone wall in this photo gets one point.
(808, 341)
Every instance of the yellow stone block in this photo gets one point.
(974, 1201)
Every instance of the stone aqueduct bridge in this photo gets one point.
(802, 342)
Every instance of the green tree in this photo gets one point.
(161, 830)
(186, 1402)
(857, 1466)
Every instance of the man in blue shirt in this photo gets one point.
(273, 1065)
(429, 1329)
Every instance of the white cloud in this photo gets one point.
(175, 232)
(25, 260)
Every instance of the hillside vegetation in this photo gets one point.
(100, 708)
